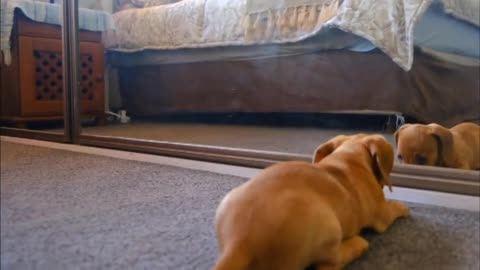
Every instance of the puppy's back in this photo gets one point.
(266, 222)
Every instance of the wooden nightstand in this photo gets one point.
(32, 85)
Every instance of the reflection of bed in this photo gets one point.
(317, 69)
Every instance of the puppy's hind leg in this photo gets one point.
(388, 213)
(232, 259)
(349, 250)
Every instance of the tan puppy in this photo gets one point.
(295, 214)
(434, 145)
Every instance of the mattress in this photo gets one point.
(331, 81)
(216, 33)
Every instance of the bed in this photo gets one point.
(415, 57)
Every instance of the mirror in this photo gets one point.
(281, 79)
(31, 87)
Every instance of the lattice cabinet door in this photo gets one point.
(41, 77)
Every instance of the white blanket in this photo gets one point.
(210, 23)
(257, 6)
(467, 10)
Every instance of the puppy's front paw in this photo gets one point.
(402, 209)
(327, 267)
(358, 245)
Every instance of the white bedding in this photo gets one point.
(467, 10)
(187, 24)
(212, 23)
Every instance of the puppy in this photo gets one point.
(297, 214)
(434, 145)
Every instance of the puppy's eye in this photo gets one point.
(421, 160)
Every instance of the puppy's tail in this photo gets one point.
(232, 259)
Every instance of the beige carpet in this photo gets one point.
(291, 140)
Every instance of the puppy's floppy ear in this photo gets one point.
(444, 138)
(382, 158)
(327, 148)
(398, 132)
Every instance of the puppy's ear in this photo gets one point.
(382, 158)
(444, 138)
(327, 148)
(398, 132)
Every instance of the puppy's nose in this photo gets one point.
(399, 157)
(420, 160)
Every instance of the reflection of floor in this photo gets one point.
(291, 140)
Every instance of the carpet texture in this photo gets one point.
(63, 210)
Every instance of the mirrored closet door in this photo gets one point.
(192, 78)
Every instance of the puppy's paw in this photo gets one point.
(327, 267)
(402, 209)
(359, 245)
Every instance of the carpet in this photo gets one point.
(65, 210)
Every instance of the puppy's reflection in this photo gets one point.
(435, 145)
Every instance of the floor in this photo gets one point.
(265, 138)
(67, 210)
